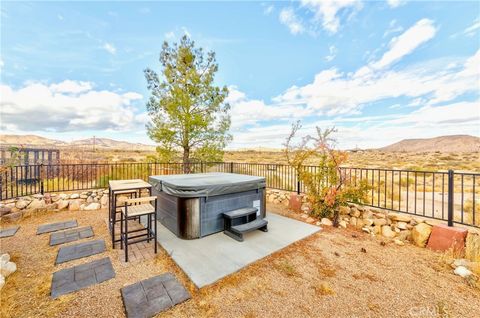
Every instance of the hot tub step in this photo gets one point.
(240, 212)
(236, 232)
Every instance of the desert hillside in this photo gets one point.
(444, 144)
(100, 143)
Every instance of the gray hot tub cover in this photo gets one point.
(206, 184)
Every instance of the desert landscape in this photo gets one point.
(460, 153)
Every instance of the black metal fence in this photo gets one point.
(450, 196)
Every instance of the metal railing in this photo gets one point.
(450, 196)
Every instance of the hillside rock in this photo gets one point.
(420, 234)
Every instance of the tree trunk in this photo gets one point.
(186, 160)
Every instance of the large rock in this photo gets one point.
(90, 199)
(472, 247)
(63, 196)
(387, 232)
(402, 225)
(22, 204)
(7, 268)
(462, 271)
(420, 234)
(4, 210)
(74, 205)
(399, 217)
(92, 206)
(2, 281)
(379, 222)
(5, 258)
(37, 204)
(353, 221)
(104, 201)
(343, 224)
(354, 212)
(326, 221)
(13, 217)
(75, 196)
(343, 210)
(62, 204)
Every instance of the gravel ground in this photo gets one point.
(334, 273)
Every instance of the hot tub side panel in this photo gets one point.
(211, 208)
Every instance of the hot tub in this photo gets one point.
(191, 205)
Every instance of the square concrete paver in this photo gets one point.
(9, 232)
(71, 252)
(75, 278)
(153, 295)
(47, 228)
(213, 257)
(70, 235)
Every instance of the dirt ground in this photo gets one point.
(334, 273)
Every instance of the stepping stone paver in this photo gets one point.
(153, 295)
(76, 251)
(9, 232)
(70, 235)
(75, 278)
(53, 227)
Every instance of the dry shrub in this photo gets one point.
(472, 248)
(286, 268)
(324, 289)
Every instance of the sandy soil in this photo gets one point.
(334, 273)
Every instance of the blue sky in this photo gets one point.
(378, 71)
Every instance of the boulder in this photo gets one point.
(343, 210)
(343, 224)
(5, 258)
(55, 197)
(405, 235)
(420, 234)
(104, 201)
(377, 229)
(402, 225)
(37, 204)
(90, 199)
(7, 268)
(75, 196)
(96, 206)
(387, 232)
(51, 206)
(462, 271)
(472, 247)
(399, 217)
(325, 221)
(379, 222)
(4, 210)
(398, 242)
(74, 205)
(354, 212)
(63, 196)
(2, 281)
(13, 217)
(366, 230)
(22, 204)
(368, 222)
(37, 196)
(62, 204)
(353, 221)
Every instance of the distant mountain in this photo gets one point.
(454, 143)
(24, 140)
(100, 143)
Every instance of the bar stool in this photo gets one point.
(115, 209)
(133, 209)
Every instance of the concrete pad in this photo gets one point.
(9, 232)
(213, 257)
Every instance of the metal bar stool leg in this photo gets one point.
(155, 234)
(126, 233)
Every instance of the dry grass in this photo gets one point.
(323, 275)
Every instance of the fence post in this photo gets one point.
(298, 182)
(450, 199)
(41, 176)
(231, 167)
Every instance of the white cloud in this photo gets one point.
(110, 48)
(407, 42)
(471, 30)
(66, 106)
(245, 111)
(327, 11)
(69, 86)
(396, 3)
(333, 92)
(332, 53)
(288, 17)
